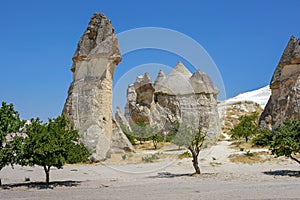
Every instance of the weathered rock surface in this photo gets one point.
(89, 102)
(243, 104)
(120, 118)
(178, 97)
(285, 86)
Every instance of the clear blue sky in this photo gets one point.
(38, 38)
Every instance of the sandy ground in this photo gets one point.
(169, 178)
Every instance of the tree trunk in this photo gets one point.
(195, 162)
(47, 171)
(295, 159)
(155, 143)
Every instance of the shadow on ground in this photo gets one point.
(169, 175)
(289, 173)
(41, 185)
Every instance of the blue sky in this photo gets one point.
(38, 38)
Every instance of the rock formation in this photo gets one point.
(284, 103)
(178, 97)
(230, 110)
(89, 101)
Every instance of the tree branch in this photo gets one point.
(295, 159)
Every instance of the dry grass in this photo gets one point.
(240, 145)
(215, 163)
(249, 158)
(185, 154)
(221, 137)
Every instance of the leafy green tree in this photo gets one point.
(263, 137)
(246, 127)
(140, 132)
(10, 126)
(156, 136)
(193, 140)
(285, 141)
(143, 132)
(52, 145)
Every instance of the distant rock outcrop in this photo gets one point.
(179, 97)
(89, 102)
(284, 103)
(230, 110)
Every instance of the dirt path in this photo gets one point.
(166, 179)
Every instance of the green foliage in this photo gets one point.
(263, 138)
(286, 140)
(77, 153)
(10, 124)
(246, 127)
(144, 132)
(141, 131)
(172, 133)
(52, 144)
(248, 154)
(191, 138)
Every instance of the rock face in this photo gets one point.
(178, 97)
(284, 103)
(243, 104)
(89, 101)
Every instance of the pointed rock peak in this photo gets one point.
(160, 77)
(202, 83)
(180, 68)
(161, 74)
(142, 80)
(147, 78)
(118, 109)
(139, 78)
(198, 75)
(98, 38)
(289, 52)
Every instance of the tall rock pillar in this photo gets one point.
(284, 102)
(89, 101)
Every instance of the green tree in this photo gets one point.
(144, 132)
(193, 140)
(285, 141)
(156, 136)
(263, 137)
(140, 132)
(10, 126)
(52, 145)
(246, 127)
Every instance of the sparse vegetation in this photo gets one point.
(150, 158)
(249, 157)
(193, 140)
(285, 141)
(185, 154)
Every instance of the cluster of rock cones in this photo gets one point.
(179, 97)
